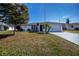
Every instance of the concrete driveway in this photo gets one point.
(68, 36)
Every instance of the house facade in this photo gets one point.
(38, 27)
(72, 26)
(55, 27)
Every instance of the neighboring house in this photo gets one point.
(4, 26)
(72, 26)
(76, 26)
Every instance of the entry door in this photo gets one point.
(41, 28)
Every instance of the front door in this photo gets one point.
(41, 28)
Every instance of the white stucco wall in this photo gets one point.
(68, 27)
(25, 28)
(1, 28)
(71, 28)
(10, 27)
(56, 28)
(76, 26)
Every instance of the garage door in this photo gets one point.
(56, 28)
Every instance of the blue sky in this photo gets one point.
(53, 12)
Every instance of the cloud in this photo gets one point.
(53, 20)
(65, 17)
(75, 18)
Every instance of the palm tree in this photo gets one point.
(47, 27)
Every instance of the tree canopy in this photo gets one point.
(67, 21)
(13, 13)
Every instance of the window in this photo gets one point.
(72, 26)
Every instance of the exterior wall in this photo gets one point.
(39, 28)
(76, 26)
(1, 28)
(35, 27)
(9, 28)
(56, 28)
(69, 27)
(25, 28)
(2, 25)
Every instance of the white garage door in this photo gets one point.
(56, 28)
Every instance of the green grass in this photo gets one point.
(5, 32)
(73, 31)
(32, 44)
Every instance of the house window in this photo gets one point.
(72, 26)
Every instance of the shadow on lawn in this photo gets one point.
(4, 36)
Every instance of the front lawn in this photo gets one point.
(24, 43)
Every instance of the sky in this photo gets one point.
(53, 12)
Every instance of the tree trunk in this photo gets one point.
(14, 30)
(48, 30)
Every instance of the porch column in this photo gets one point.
(39, 28)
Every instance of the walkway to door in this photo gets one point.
(68, 36)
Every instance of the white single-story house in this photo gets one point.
(39, 27)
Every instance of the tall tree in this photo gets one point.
(17, 14)
(67, 21)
